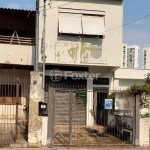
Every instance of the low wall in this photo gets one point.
(144, 132)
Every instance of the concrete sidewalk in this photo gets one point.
(105, 148)
(85, 148)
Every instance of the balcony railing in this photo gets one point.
(17, 40)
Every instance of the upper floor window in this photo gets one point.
(81, 22)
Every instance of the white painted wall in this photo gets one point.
(124, 78)
(129, 82)
(16, 54)
(134, 74)
(144, 132)
(111, 44)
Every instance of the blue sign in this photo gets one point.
(108, 103)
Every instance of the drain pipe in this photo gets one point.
(44, 56)
(36, 37)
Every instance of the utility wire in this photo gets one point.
(48, 3)
(59, 5)
(127, 23)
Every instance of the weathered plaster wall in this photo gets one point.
(84, 51)
(17, 54)
(35, 122)
(37, 128)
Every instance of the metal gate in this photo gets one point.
(68, 115)
(13, 109)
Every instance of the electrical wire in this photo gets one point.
(127, 23)
(48, 3)
(59, 5)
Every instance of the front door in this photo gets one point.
(101, 115)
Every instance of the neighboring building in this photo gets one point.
(133, 56)
(17, 33)
(146, 58)
(17, 48)
(124, 56)
(124, 78)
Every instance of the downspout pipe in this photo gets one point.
(36, 37)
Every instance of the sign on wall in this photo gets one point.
(108, 103)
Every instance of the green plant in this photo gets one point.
(129, 141)
(147, 79)
(141, 90)
(146, 115)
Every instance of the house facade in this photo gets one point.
(80, 37)
(17, 48)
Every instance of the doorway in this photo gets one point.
(101, 114)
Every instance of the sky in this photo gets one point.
(137, 33)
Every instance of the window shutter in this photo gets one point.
(70, 23)
(93, 25)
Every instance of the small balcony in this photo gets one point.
(17, 40)
(17, 50)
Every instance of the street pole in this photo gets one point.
(36, 37)
(44, 31)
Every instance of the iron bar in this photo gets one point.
(17, 99)
(70, 118)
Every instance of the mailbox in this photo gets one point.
(43, 109)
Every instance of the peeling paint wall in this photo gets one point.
(35, 122)
(67, 52)
(75, 53)
(92, 54)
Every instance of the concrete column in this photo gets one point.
(44, 130)
(89, 118)
(116, 84)
(144, 132)
(37, 127)
(136, 121)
